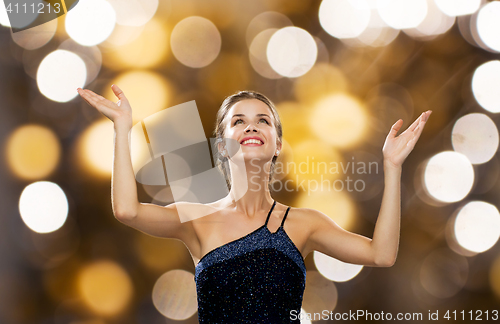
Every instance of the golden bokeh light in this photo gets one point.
(195, 42)
(159, 254)
(258, 54)
(174, 295)
(343, 19)
(477, 226)
(148, 92)
(294, 118)
(376, 34)
(322, 80)
(314, 162)
(105, 287)
(335, 204)
(35, 37)
(488, 25)
(485, 82)
(458, 7)
(266, 20)
(340, 120)
(448, 176)
(43, 206)
(59, 74)
(33, 152)
(435, 23)
(334, 269)
(404, 14)
(133, 12)
(90, 22)
(95, 148)
(450, 234)
(476, 136)
(471, 22)
(146, 50)
(120, 36)
(90, 55)
(292, 51)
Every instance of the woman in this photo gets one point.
(249, 262)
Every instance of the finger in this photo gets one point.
(412, 127)
(84, 95)
(395, 128)
(416, 134)
(97, 101)
(118, 92)
(90, 97)
(86, 100)
(427, 114)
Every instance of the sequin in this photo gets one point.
(258, 278)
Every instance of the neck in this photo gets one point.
(249, 187)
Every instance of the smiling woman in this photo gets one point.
(268, 116)
(249, 267)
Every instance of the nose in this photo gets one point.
(251, 127)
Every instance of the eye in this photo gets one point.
(237, 120)
(265, 120)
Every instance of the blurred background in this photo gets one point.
(341, 74)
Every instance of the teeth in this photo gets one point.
(255, 141)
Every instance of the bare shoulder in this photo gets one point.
(300, 224)
(309, 218)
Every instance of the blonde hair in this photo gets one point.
(221, 161)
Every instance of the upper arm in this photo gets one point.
(160, 221)
(329, 238)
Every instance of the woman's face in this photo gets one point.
(252, 118)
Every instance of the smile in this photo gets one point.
(252, 142)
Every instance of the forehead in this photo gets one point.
(250, 108)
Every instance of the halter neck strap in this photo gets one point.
(270, 211)
(283, 221)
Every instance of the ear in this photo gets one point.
(278, 148)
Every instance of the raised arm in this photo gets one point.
(381, 251)
(161, 221)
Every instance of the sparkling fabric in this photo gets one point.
(258, 278)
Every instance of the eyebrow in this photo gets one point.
(242, 115)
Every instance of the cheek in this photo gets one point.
(230, 133)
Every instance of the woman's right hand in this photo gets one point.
(120, 113)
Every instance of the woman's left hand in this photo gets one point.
(396, 149)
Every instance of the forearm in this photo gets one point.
(123, 186)
(385, 240)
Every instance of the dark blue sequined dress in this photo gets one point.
(258, 278)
